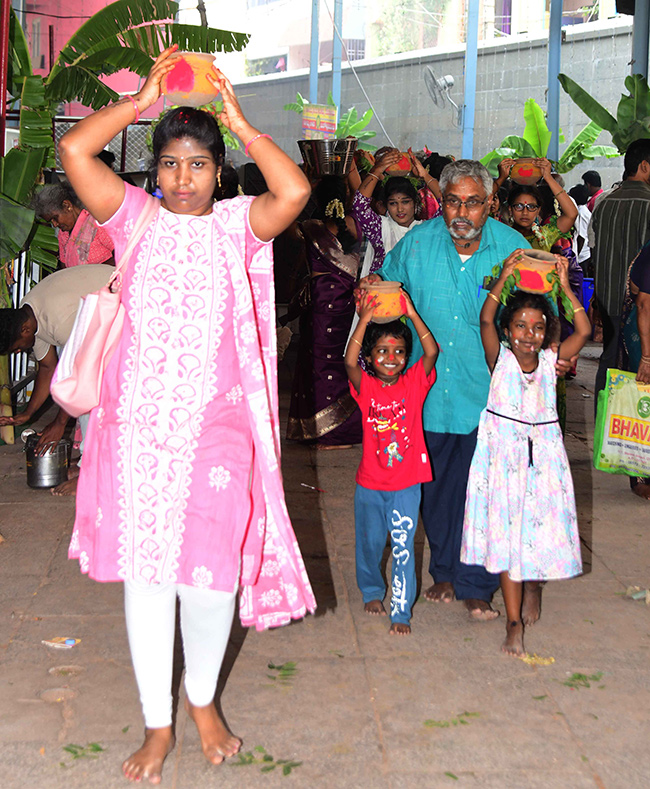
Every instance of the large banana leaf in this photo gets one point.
(20, 64)
(16, 222)
(20, 172)
(77, 83)
(43, 246)
(536, 131)
(591, 108)
(636, 106)
(36, 118)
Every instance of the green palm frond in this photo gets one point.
(109, 60)
(20, 172)
(20, 64)
(76, 83)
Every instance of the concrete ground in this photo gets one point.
(440, 708)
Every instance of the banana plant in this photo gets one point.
(537, 137)
(632, 120)
(349, 125)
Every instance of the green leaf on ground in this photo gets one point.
(125, 729)
(459, 720)
(540, 698)
(578, 680)
(259, 757)
(89, 751)
(451, 775)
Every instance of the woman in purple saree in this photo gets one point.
(322, 409)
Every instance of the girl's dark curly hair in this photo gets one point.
(374, 333)
(535, 301)
(334, 187)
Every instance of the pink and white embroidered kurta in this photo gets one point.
(180, 480)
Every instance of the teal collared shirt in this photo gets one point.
(448, 294)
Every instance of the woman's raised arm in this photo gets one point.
(98, 187)
(289, 189)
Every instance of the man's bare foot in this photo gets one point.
(68, 488)
(481, 610)
(216, 741)
(513, 643)
(375, 607)
(400, 629)
(642, 489)
(440, 593)
(531, 606)
(146, 763)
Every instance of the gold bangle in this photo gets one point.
(578, 309)
(424, 336)
(557, 194)
(645, 359)
(354, 339)
(496, 298)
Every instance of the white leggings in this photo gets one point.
(206, 620)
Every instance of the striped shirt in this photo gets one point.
(621, 225)
(448, 293)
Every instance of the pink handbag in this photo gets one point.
(77, 380)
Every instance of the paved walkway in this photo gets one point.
(441, 708)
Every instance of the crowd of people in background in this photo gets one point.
(458, 407)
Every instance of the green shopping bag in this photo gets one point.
(622, 434)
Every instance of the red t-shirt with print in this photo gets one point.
(394, 453)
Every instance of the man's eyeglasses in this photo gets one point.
(526, 207)
(470, 205)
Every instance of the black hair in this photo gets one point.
(11, 323)
(637, 152)
(580, 194)
(108, 157)
(329, 188)
(519, 189)
(534, 301)
(397, 184)
(189, 122)
(375, 331)
(436, 164)
(229, 183)
(592, 178)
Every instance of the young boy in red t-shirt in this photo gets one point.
(394, 461)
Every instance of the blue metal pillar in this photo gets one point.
(553, 92)
(313, 53)
(471, 60)
(640, 31)
(337, 52)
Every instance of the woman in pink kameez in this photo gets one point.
(180, 493)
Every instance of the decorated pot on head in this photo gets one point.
(534, 270)
(187, 83)
(402, 167)
(390, 303)
(525, 172)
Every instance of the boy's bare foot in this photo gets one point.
(440, 593)
(146, 763)
(216, 741)
(375, 607)
(531, 606)
(481, 610)
(513, 643)
(400, 629)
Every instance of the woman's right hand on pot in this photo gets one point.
(151, 90)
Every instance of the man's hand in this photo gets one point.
(50, 437)
(563, 366)
(643, 373)
(19, 419)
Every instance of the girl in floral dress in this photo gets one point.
(520, 514)
(180, 494)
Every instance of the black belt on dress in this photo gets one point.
(530, 424)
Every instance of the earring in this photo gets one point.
(219, 179)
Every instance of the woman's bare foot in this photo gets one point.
(146, 763)
(216, 741)
(531, 606)
(481, 610)
(400, 629)
(440, 593)
(375, 607)
(513, 643)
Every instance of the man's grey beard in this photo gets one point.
(471, 234)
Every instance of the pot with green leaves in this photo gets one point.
(534, 270)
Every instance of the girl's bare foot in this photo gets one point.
(375, 607)
(513, 643)
(531, 607)
(146, 763)
(216, 741)
(442, 592)
(400, 629)
(480, 610)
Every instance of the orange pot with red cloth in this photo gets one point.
(187, 83)
(534, 270)
(390, 303)
(525, 172)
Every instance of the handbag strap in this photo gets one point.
(148, 213)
